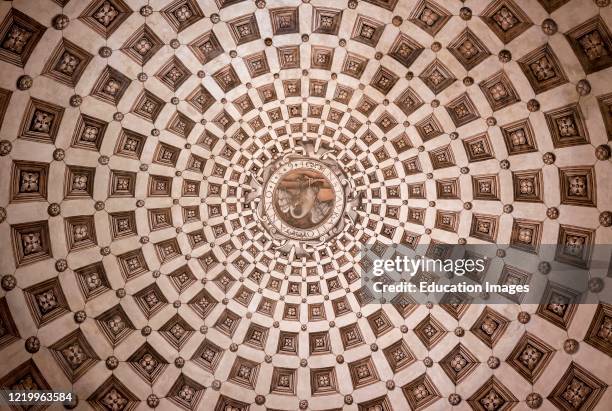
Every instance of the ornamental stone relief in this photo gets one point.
(189, 185)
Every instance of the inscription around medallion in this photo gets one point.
(303, 199)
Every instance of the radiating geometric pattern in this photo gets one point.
(136, 271)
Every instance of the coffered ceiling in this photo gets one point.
(136, 271)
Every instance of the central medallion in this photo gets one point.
(304, 199)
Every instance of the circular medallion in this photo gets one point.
(303, 199)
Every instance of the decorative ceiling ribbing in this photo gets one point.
(137, 270)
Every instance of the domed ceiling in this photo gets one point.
(155, 253)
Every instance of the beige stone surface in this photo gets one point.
(135, 135)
